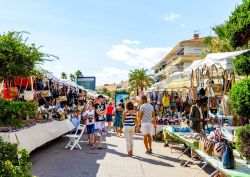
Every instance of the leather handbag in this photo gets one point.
(45, 93)
(12, 90)
(62, 98)
(218, 149)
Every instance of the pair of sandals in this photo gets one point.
(149, 151)
(130, 153)
(93, 147)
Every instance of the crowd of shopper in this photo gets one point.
(127, 117)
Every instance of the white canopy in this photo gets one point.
(224, 60)
(194, 65)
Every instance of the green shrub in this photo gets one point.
(240, 98)
(10, 164)
(242, 64)
(243, 141)
(12, 113)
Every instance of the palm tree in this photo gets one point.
(139, 80)
(72, 77)
(78, 73)
(63, 75)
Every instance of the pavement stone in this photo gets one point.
(53, 160)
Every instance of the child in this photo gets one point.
(89, 115)
(118, 119)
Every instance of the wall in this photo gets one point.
(188, 50)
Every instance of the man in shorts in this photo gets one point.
(100, 112)
(148, 121)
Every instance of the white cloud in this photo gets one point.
(58, 67)
(130, 42)
(172, 16)
(138, 57)
(111, 75)
(182, 25)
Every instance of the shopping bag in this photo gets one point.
(228, 157)
(45, 93)
(28, 95)
(62, 98)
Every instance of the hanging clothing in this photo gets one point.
(166, 101)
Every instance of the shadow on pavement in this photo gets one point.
(53, 160)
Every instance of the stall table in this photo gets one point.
(241, 169)
(36, 136)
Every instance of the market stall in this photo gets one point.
(38, 135)
(191, 140)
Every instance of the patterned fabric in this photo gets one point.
(129, 120)
(118, 118)
(147, 110)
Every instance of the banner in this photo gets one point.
(87, 82)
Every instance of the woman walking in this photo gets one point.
(128, 119)
(109, 116)
(118, 120)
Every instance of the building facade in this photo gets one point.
(179, 58)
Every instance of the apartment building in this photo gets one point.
(179, 58)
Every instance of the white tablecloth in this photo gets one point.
(34, 137)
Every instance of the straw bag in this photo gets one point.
(202, 142)
(29, 95)
(209, 147)
(62, 98)
(45, 93)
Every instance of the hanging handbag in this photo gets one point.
(202, 142)
(218, 149)
(29, 95)
(13, 90)
(45, 93)
(62, 98)
(209, 147)
(228, 157)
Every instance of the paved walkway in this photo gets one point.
(54, 161)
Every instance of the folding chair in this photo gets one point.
(74, 139)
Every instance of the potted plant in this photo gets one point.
(243, 142)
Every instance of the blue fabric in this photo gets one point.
(75, 122)
(118, 118)
(109, 117)
(228, 158)
(91, 129)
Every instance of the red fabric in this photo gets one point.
(6, 94)
(23, 81)
(110, 110)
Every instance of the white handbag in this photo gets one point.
(29, 95)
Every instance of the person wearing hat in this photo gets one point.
(196, 116)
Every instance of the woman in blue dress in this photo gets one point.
(118, 119)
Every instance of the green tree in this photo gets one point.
(64, 75)
(17, 58)
(242, 64)
(139, 80)
(72, 77)
(78, 73)
(238, 26)
(217, 44)
(104, 91)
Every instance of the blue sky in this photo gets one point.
(107, 38)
